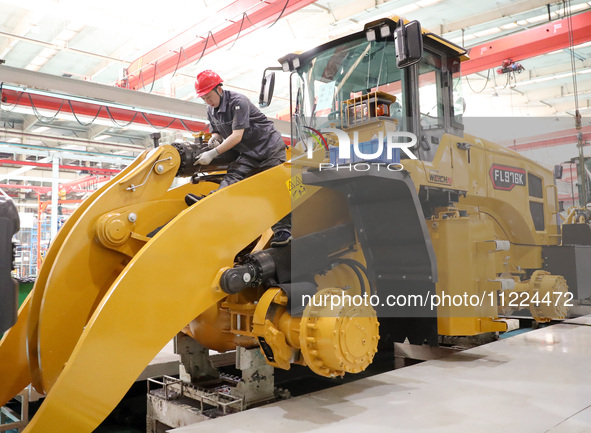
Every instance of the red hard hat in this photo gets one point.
(206, 81)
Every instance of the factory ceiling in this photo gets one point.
(160, 50)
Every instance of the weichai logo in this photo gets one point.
(386, 149)
(439, 178)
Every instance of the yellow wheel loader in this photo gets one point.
(404, 226)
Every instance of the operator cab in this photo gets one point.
(390, 77)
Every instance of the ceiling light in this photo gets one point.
(8, 48)
(537, 19)
(461, 40)
(424, 3)
(406, 9)
(47, 52)
(580, 7)
(39, 61)
(41, 129)
(509, 26)
(535, 80)
(553, 77)
(101, 137)
(34, 28)
(66, 35)
(146, 128)
(487, 32)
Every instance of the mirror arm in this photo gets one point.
(291, 143)
(271, 68)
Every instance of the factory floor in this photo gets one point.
(532, 382)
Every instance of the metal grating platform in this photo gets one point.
(533, 382)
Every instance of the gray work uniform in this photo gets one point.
(261, 147)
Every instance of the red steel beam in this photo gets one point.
(120, 116)
(557, 138)
(35, 188)
(188, 36)
(85, 182)
(168, 57)
(96, 170)
(543, 39)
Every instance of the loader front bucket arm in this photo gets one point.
(83, 269)
(128, 294)
(14, 366)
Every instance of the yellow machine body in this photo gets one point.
(468, 258)
(108, 296)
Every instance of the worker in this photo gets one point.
(237, 125)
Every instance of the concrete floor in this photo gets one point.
(533, 382)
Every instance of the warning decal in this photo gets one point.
(296, 187)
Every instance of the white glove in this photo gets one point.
(206, 157)
(214, 142)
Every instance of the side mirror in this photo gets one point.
(408, 41)
(267, 86)
(558, 172)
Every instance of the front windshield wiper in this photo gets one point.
(353, 67)
(298, 121)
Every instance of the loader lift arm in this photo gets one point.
(95, 318)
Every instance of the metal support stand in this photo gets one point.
(257, 384)
(10, 420)
(195, 363)
(202, 393)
